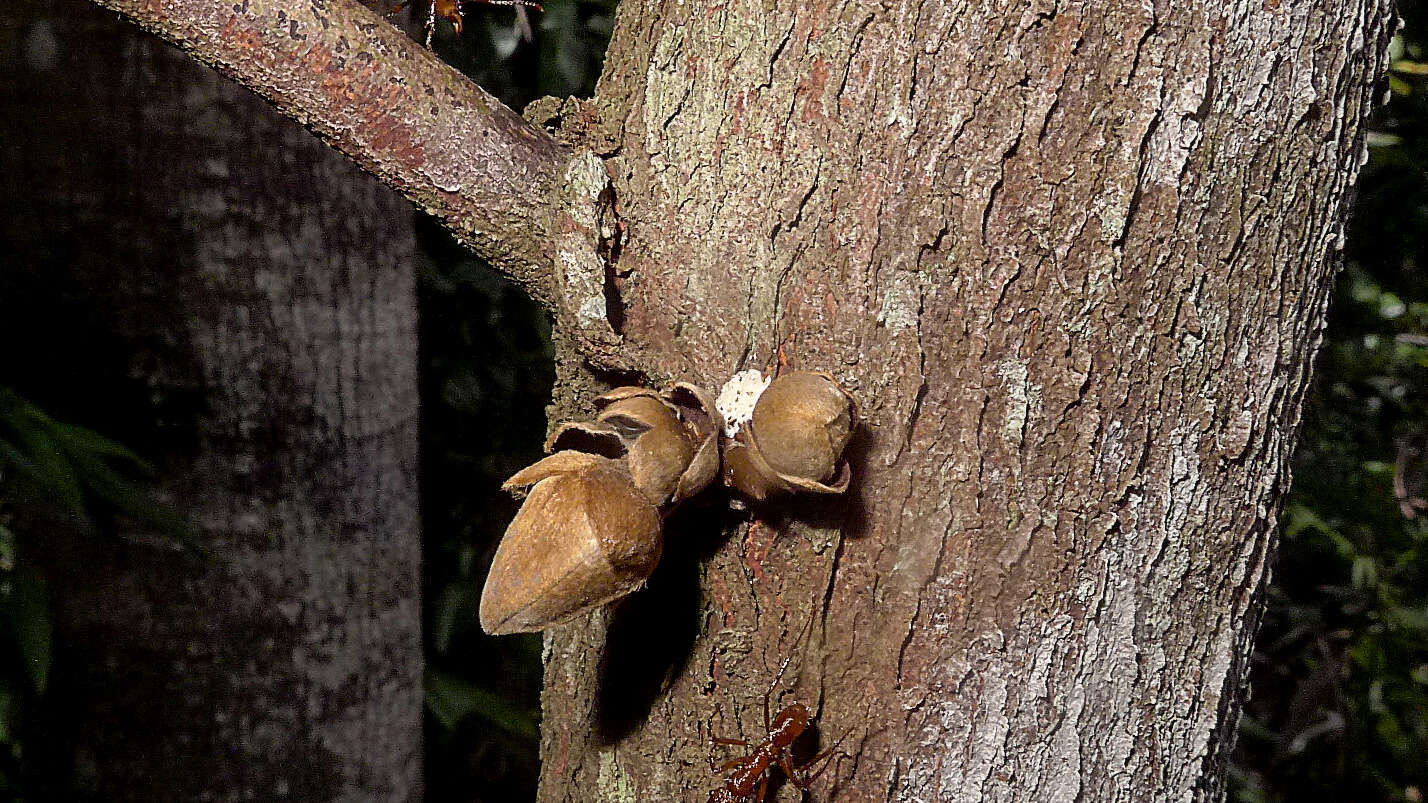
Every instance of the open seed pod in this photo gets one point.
(703, 422)
(669, 440)
(660, 448)
(584, 536)
(794, 440)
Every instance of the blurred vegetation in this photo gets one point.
(486, 374)
(1339, 687)
(54, 474)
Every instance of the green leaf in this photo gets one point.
(1364, 573)
(28, 607)
(9, 716)
(1403, 617)
(67, 461)
(79, 440)
(46, 465)
(7, 548)
(452, 700)
(1420, 674)
(457, 606)
(1300, 519)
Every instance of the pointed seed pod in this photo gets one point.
(794, 438)
(584, 536)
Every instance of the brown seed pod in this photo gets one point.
(588, 437)
(794, 439)
(584, 536)
(702, 420)
(660, 448)
(670, 440)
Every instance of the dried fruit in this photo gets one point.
(585, 535)
(793, 439)
(660, 448)
(589, 529)
(669, 440)
(704, 422)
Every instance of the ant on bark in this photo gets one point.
(750, 778)
(450, 10)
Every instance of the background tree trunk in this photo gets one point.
(1073, 259)
(262, 292)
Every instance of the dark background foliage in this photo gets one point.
(1339, 707)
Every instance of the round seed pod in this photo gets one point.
(794, 439)
(746, 470)
(584, 536)
(801, 423)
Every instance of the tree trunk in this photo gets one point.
(266, 289)
(1073, 260)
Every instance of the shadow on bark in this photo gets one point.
(652, 632)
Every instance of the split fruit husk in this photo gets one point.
(589, 531)
(795, 439)
(669, 440)
(659, 447)
(585, 535)
(703, 423)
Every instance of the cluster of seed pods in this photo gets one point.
(591, 527)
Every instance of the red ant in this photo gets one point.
(450, 10)
(750, 773)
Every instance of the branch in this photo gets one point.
(392, 106)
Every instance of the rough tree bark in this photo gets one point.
(1072, 257)
(264, 288)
